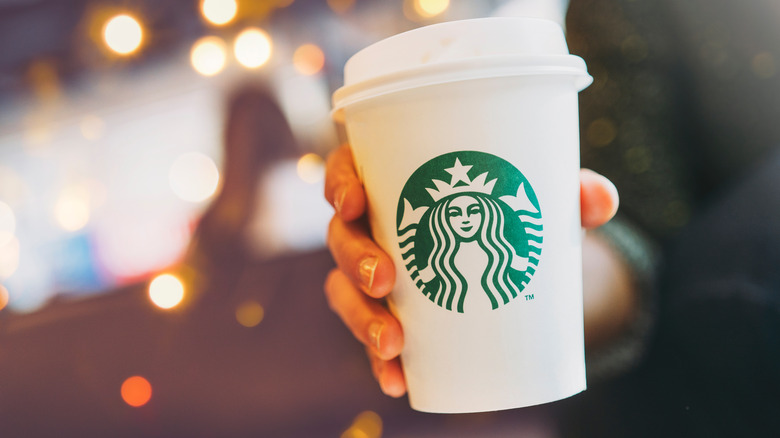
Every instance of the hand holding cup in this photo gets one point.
(365, 273)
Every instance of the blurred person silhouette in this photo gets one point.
(257, 136)
(681, 288)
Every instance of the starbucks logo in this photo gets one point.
(470, 230)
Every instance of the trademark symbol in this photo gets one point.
(529, 297)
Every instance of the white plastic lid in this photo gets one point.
(459, 50)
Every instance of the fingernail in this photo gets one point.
(366, 271)
(374, 333)
(338, 202)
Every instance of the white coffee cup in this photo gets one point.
(465, 135)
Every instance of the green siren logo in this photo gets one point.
(470, 230)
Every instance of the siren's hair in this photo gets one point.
(442, 260)
(496, 281)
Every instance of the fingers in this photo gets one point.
(342, 187)
(368, 320)
(359, 257)
(365, 271)
(389, 375)
(598, 199)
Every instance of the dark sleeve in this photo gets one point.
(722, 311)
(641, 255)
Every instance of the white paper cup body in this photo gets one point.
(527, 350)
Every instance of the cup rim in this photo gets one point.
(570, 66)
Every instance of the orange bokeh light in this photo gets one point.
(308, 59)
(430, 8)
(136, 391)
(3, 297)
(123, 34)
(341, 6)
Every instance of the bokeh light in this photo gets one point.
(194, 177)
(133, 242)
(311, 168)
(44, 80)
(764, 65)
(7, 223)
(601, 132)
(72, 210)
(368, 424)
(308, 59)
(37, 131)
(136, 391)
(9, 258)
(166, 291)
(13, 189)
(208, 55)
(250, 313)
(92, 127)
(253, 48)
(123, 34)
(3, 297)
(341, 6)
(219, 12)
(430, 8)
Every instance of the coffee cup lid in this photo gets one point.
(456, 51)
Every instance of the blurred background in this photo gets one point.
(111, 122)
(162, 225)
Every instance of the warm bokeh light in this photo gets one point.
(133, 243)
(308, 59)
(166, 291)
(3, 297)
(601, 132)
(123, 34)
(9, 258)
(253, 48)
(7, 223)
(136, 391)
(92, 127)
(368, 424)
(37, 131)
(72, 207)
(219, 12)
(311, 168)
(764, 65)
(194, 177)
(208, 55)
(341, 6)
(250, 313)
(430, 8)
(13, 188)
(44, 80)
